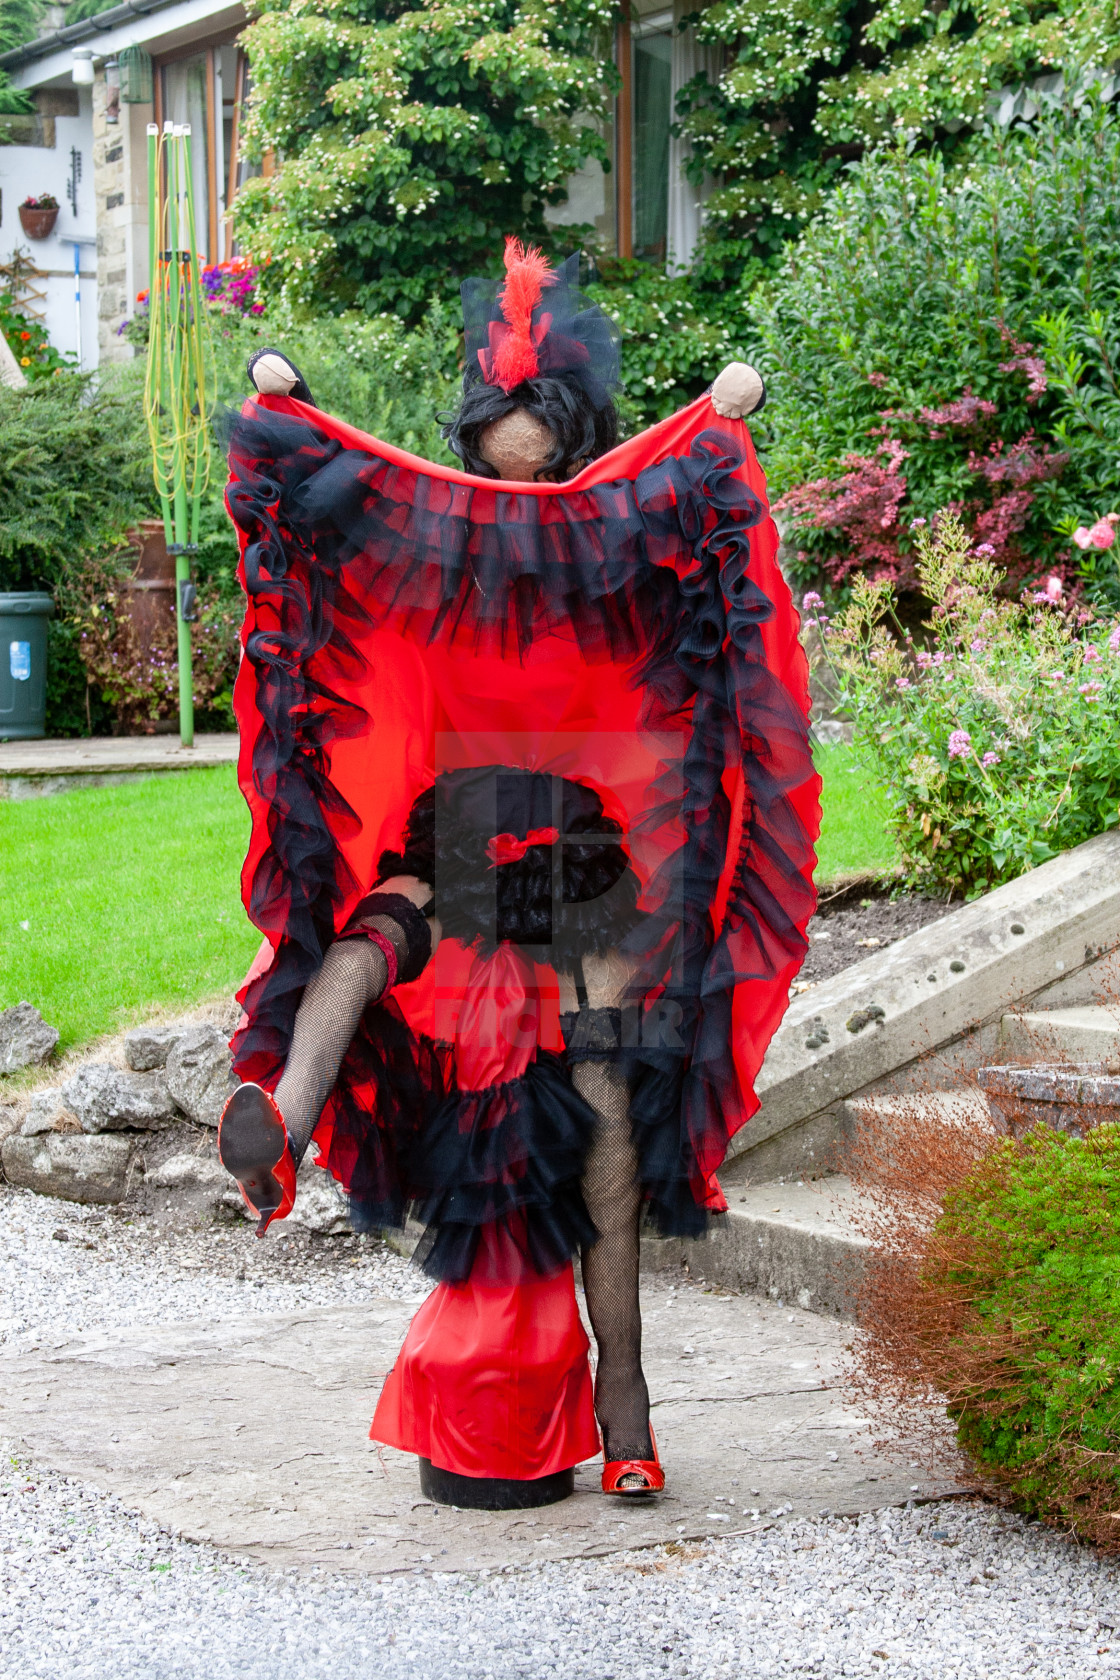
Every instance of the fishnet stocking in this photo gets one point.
(353, 976)
(610, 1265)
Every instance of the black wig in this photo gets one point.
(583, 429)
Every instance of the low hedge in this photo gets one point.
(1018, 1324)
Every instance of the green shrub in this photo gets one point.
(370, 371)
(675, 337)
(413, 137)
(995, 743)
(808, 87)
(74, 475)
(949, 339)
(1021, 1285)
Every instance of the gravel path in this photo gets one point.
(91, 1592)
(67, 1270)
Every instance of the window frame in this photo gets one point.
(219, 235)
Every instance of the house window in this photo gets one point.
(658, 210)
(651, 53)
(208, 88)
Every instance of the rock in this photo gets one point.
(25, 1038)
(198, 1073)
(320, 1206)
(190, 1172)
(146, 1048)
(48, 1112)
(108, 1099)
(78, 1169)
(9, 1121)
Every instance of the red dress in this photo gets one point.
(628, 630)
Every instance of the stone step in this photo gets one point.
(1076, 1035)
(803, 1241)
(799, 1243)
(939, 993)
(31, 768)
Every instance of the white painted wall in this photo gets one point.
(40, 169)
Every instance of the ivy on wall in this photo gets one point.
(412, 135)
(810, 85)
(19, 22)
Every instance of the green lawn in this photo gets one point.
(121, 898)
(118, 898)
(853, 838)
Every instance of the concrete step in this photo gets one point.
(1075, 1035)
(931, 1003)
(803, 1241)
(31, 768)
(798, 1243)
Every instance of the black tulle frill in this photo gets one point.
(512, 1156)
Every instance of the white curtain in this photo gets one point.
(686, 199)
(185, 101)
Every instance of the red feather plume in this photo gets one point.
(514, 359)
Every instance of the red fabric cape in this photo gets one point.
(405, 618)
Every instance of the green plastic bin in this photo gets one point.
(23, 665)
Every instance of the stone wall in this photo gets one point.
(120, 186)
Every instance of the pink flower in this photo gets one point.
(1052, 594)
(978, 645)
(1092, 657)
(1102, 534)
(989, 759)
(810, 601)
(877, 379)
(902, 682)
(1091, 690)
(985, 549)
(1114, 641)
(925, 660)
(916, 524)
(960, 743)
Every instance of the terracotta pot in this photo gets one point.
(150, 604)
(37, 224)
(151, 588)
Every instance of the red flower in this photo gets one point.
(25, 335)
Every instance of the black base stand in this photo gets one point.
(493, 1493)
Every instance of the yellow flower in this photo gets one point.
(25, 361)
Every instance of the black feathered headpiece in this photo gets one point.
(536, 323)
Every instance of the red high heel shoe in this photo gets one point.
(253, 1145)
(634, 1475)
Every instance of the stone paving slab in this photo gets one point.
(31, 768)
(254, 1434)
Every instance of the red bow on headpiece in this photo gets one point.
(507, 848)
(512, 356)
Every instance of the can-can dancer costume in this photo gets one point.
(533, 812)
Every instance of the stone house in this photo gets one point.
(87, 144)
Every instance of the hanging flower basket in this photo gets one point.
(38, 215)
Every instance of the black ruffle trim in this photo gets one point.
(510, 1156)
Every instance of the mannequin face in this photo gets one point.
(517, 446)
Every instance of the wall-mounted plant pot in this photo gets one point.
(37, 224)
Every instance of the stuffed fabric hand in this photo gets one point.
(738, 391)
